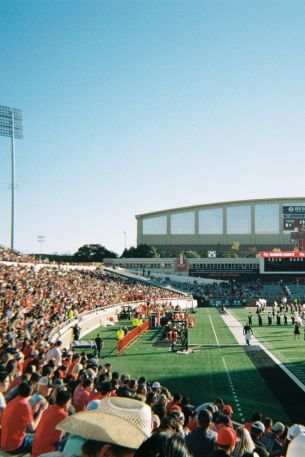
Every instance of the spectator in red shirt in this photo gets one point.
(27, 348)
(47, 437)
(257, 416)
(75, 361)
(17, 417)
(3, 387)
(81, 399)
(33, 357)
(175, 404)
(79, 388)
(102, 391)
(228, 411)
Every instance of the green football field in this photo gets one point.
(219, 367)
(279, 340)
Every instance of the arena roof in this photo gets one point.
(227, 203)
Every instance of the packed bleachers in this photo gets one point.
(57, 391)
(36, 300)
(47, 392)
(10, 255)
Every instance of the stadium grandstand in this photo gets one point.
(265, 266)
(262, 225)
(69, 365)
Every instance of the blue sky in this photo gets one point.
(138, 106)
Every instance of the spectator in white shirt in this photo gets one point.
(55, 354)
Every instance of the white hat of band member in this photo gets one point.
(122, 421)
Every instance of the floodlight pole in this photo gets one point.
(125, 245)
(12, 180)
(11, 127)
(40, 239)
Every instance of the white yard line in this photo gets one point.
(236, 328)
(213, 328)
(239, 410)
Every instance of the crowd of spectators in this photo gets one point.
(55, 400)
(10, 255)
(233, 289)
(249, 291)
(59, 401)
(34, 301)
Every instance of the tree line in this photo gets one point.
(98, 252)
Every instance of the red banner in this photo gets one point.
(282, 255)
(131, 336)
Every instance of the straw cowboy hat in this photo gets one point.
(122, 421)
(297, 446)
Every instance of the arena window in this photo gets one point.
(266, 219)
(155, 225)
(210, 221)
(239, 220)
(183, 223)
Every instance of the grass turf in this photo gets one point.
(214, 371)
(277, 339)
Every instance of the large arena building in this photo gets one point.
(261, 225)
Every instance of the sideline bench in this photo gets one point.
(83, 344)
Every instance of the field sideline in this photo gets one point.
(279, 340)
(213, 371)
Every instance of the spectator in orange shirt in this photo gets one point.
(46, 437)
(18, 417)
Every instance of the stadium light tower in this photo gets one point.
(41, 239)
(11, 126)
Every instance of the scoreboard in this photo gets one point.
(282, 262)
(293, 217)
